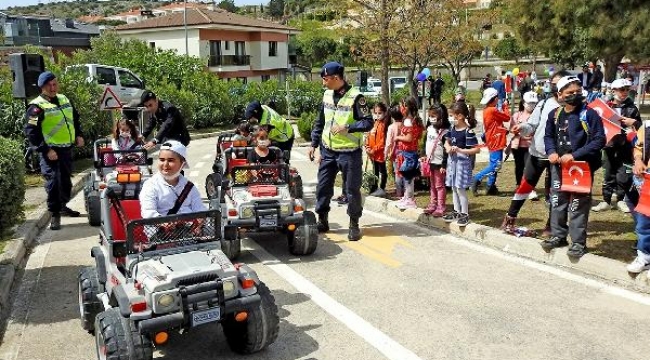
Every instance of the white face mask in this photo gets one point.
(408, 122)
(173, 176)
(264, 143)
(375, 117)
(125, 134)
(620, 98)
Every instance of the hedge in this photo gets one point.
(305, 124)
(12, 185)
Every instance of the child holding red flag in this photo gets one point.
(573, 133)
(618, 151)
(641, 213)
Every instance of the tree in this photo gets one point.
(276, 8)
(509, 48)
(228, 5)
(573, 32)
(314, 45)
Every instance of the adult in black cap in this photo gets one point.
(166, 118)
(53, 127)
(338, 133)
(279, 129)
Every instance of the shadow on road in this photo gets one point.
(208, 342)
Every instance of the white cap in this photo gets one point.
(604, 84)
(531, 97)
(566, 81)
(621, 83)
(488, 95)
(178, 148)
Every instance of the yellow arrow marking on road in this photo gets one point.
(376, 243)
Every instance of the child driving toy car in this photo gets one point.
(168, 192)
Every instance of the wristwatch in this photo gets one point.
(154, 140)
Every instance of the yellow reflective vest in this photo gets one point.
(341, 114)
(282, 130)
(58, 123)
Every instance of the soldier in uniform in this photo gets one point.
(166, 117)
(338, 133)
(52, 128)
(279, 129)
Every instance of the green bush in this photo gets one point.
(305, 124)
(12, 186)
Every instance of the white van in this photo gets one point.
(123, 82)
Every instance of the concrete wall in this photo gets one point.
(173, 39)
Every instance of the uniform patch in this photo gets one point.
(33, 120)
(363, 106)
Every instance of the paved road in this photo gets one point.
(403, 292)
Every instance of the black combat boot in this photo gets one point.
(354, 233)
(55, 223)
(323, 225)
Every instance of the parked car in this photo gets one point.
(123, 82)
(370, 92)
(397, 82)
(375, 84)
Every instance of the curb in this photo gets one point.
(601, 267)
(15, 251)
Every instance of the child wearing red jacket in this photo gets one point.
(495, 139)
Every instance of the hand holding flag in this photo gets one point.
(576, 177)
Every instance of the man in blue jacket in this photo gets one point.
(573, 133)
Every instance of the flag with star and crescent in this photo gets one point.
(576, 177)
(643, 207)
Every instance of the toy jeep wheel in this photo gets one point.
(118, 339)
(231, 244)
(304, 240)
(93, 206)
(296, 187)
(260, 328)
(89, 304)
(212, 183)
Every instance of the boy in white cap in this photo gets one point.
(573, 133)
(618, 152)
(160, 194)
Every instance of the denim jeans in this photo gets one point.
(496, 157)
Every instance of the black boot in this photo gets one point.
(493, 190)
(354, 233)
(323, 225)
(55, 223)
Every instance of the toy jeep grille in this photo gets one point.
(197, 279)
(173, 231)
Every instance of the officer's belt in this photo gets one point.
(345, 149)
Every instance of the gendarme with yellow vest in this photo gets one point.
(282, 130)
(341, 114)
(58, 124)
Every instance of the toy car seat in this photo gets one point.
(132, 211)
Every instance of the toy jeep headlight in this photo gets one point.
(247, 212)
(165, 300)
(285, 209)
(229, 289)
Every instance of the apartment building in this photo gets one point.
(232, 45)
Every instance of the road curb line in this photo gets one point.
(16, 250)
(594, 265)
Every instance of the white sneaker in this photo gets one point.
(378, 193)
(622, 206)
(533, 196)
(637, 266)
(602, 206)
(407, 204)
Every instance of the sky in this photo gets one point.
(7, 3)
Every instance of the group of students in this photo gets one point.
(449, 153)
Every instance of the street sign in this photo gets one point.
(109, 100)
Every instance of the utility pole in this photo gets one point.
(185, 25)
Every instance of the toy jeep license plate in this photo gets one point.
(205, 316)
(269, 221)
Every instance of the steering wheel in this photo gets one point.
(129, 159)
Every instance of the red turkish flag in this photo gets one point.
(611, 129)
(643, 207)
(576, 177)
(604, 111)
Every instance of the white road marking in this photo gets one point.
(194, 173)
(598, 285)
(373, 336)
(199, 165)
(207, 156)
